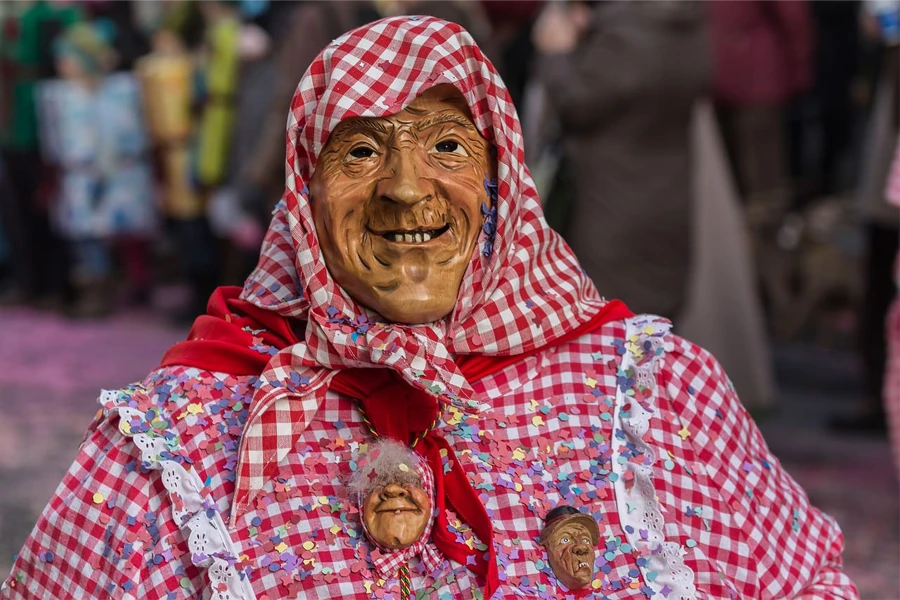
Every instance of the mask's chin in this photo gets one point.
(412, 306)
(584, 571)
(407, 282)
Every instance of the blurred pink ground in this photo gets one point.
(51, 370)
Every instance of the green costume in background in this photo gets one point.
(27, 52)
(27, 31)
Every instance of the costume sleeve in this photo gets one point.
(89, 539)
(796, 549)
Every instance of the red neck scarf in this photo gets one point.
(220, 341)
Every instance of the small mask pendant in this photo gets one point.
(393, 500)
(570, 538)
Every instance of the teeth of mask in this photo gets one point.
(412, 237)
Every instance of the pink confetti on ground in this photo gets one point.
(66, 355)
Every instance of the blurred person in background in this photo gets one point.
(130, 42)
(625, 115)
(166, 75)
(92, 132)
(762, 60)
(512, 48)
(217, 85)
(881, 220)
(891, 383)
(820, 121)
(257, 74)
(38, 254)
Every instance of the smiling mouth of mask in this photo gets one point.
(397, 510)
(414, 236)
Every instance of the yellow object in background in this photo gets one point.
(166, 83)
(167, 89)
(217, 120)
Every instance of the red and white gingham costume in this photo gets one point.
(193, 482)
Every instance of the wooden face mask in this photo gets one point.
(570, 541)
(397, 205)
(396, 514)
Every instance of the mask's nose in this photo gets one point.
(392, 490)
(581, 549)
(403, 183)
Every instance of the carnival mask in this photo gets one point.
(394, 503)
(397, 205)
(396, 514)
(570, 538)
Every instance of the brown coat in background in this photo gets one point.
(624, 98)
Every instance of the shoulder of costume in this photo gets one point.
(631, 329)
(164, 416)
(175, 404)
(603, 334)
(697, 388)
(691, 367)
(645, 338)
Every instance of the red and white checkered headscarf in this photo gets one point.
(522, 289)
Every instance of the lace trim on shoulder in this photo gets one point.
(195, 512)
(661, 562)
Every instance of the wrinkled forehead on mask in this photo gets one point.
(386, 462)
(437, 105)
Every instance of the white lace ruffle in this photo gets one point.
(199, 519)
(663, 566)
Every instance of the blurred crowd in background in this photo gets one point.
(720, 163)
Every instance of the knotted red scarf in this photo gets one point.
(221, 341)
